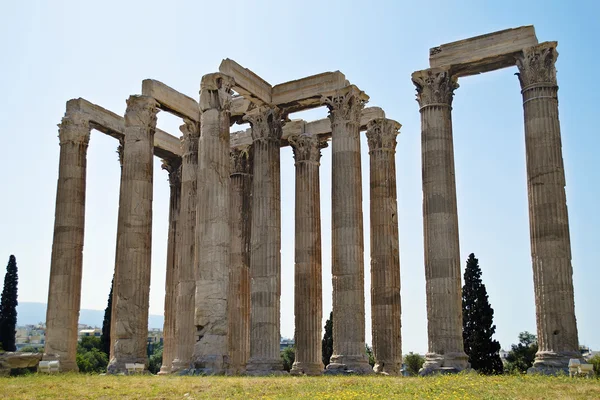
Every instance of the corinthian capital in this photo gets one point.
(536, 64)
(173, 167)
(241, 160)
(381, 134)
(191, 134)
(215, 92)
(266, 122)
(74, 128)
(307, 147)
(345, 105)
(141, 112)
(434, 86)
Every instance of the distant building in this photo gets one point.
(30, 336)
(284, 343)
(88, 331)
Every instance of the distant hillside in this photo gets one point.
(34, 313)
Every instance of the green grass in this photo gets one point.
(467, 386)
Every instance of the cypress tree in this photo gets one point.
(8, 307)
(105, 338)
(478, 327)
(327, 342)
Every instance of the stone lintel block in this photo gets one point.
(483, 53)
(305, 93)
(171, 100)
(247, 83)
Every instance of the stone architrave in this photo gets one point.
(185, 250)
(345, 107)
(173, 167)
(213, 226)
(385, 257)
(548, 217)
(308, 292)
(239, 270)
(64, 292)
(265, 247)
(132, 293)
(435, 90)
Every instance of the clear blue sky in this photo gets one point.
(55, 51)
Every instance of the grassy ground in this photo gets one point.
(468, 386)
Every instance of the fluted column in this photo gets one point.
(239, 272)
(135, 235)
(173, 167)
(265, 247)
(385, 257)
(435, 89)
(548, 217)
(345, 107)
(213, 226)
(308, 292)
(185, 250)
(64, 292)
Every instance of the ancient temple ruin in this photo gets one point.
(223, 283)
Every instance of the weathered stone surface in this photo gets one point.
(64, 293)
(345, 108)
(385, 254)
(265, 247)
(247, 83)
(171, 100)
(548, 217)
(213, 226)
(308, 292)
(306, 93)
(132, 271)
(13, 360)
(483, 53)
(174, 169)
(435, 90)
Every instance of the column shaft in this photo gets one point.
(135, 236)
(385, 257)
(64, 293)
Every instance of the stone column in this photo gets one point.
(64, 293)
(265, 247)
(548, 218)
(135, 236)
(308, 292)
(239, 272)
(345, 107)
(213, 226)
(173, 167)
(185, 250)
(385, 257)
(435, 89)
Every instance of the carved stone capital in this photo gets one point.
(345, 105)
(307, 147)
(74, 128)
(241, 160)
(536, 65)
(120, 148)
(266, 123)
(173, 167)
(215, 92)
(435, 86)
(141, 111)
(381, 134)
(191, 135)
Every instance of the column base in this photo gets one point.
(179, 367)
(262, 367)
(64, 365)
(551, 363)
(164, 370)
(348, 365)
(117, 366)
(304, 368)
(210, 365)
(387, 368)
(450, 363)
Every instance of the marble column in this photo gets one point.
(548, 217)
(385, 257)
(173, 167)
(213, 226)
(435, 90)
(135, 236)
(308, 292)
(64, 293)
(239, 270)
(265, 247)
(185, 250)
(345, 107)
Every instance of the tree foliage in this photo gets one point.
(155, 358)
(370, 356)
(90, 358)
(413, 363)
(327, 342)
(522, 355)
(478, 323)
(105, 338)
(8, 307)
(288, 356)
(595, 361)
